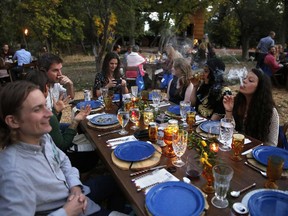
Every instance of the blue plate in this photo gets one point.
(205, 126)
(134, 151)
(93, 104)
(175, 109)
(174, 198)
(268, 203)
(262, 153)
(105, 119)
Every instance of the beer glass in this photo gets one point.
(237, 146)
(274, 171)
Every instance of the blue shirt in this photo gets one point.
(23, 57)
(37, 178)
(265, 43)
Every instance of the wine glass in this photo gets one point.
(123, 118)
(134, 115)
(134, 91)
(184, 108)
(179, 144)
(156, 98)
(226, 133)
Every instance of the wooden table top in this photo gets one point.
(243, 175)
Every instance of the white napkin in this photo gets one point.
(93, 115)
(229, 142)
(200, 119)
(113, 143)
(162, 104)
(157, 176)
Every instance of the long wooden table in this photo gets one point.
(243, 175)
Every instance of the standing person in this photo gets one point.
(52, 64)
(36, 177)
(253, 108)
(180, 88)
(23, 57)
(109, 76)
(263, 47)
(207, 96)
(117, 49)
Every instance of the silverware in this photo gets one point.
(256, 168)
(151, 185)
(250, 150)
(119, 140)
(110, 132)
(146, 170)
(144, 175)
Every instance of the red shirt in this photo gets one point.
(271, 62)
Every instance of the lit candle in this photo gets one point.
(214, 147)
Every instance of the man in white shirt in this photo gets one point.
(60, 85)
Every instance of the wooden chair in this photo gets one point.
(27, 67)
(282, 139)
(5, 76)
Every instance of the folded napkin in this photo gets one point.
(113, 143)
(162, 104)
(199, 119)
(229, 142)
(157, 176)
(93, 115)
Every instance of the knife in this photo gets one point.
(250, 150)
(110, 132)
(146, 170)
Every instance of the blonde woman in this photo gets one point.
(180, 88)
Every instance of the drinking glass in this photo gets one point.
(145, 95)
(156, 98)
(123, 118)
(179, 144)
(148, 116)
(194, 167)
(237, 146)
(134, 91)
(226, 132)
(134, 114)
(104, 92)
(222, 176)
(184, 108)
(108, 102)
(190, 119)
(274, 171)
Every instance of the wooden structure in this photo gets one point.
(197, 24)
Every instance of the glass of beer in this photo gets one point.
(148, 116)
(191, 119)
(237, 146)
(274, 171)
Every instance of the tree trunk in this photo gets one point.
(283, 33)
(245, 45)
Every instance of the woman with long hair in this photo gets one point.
(253, 108)
(180, 87)
(110, 75)
(207, 95)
